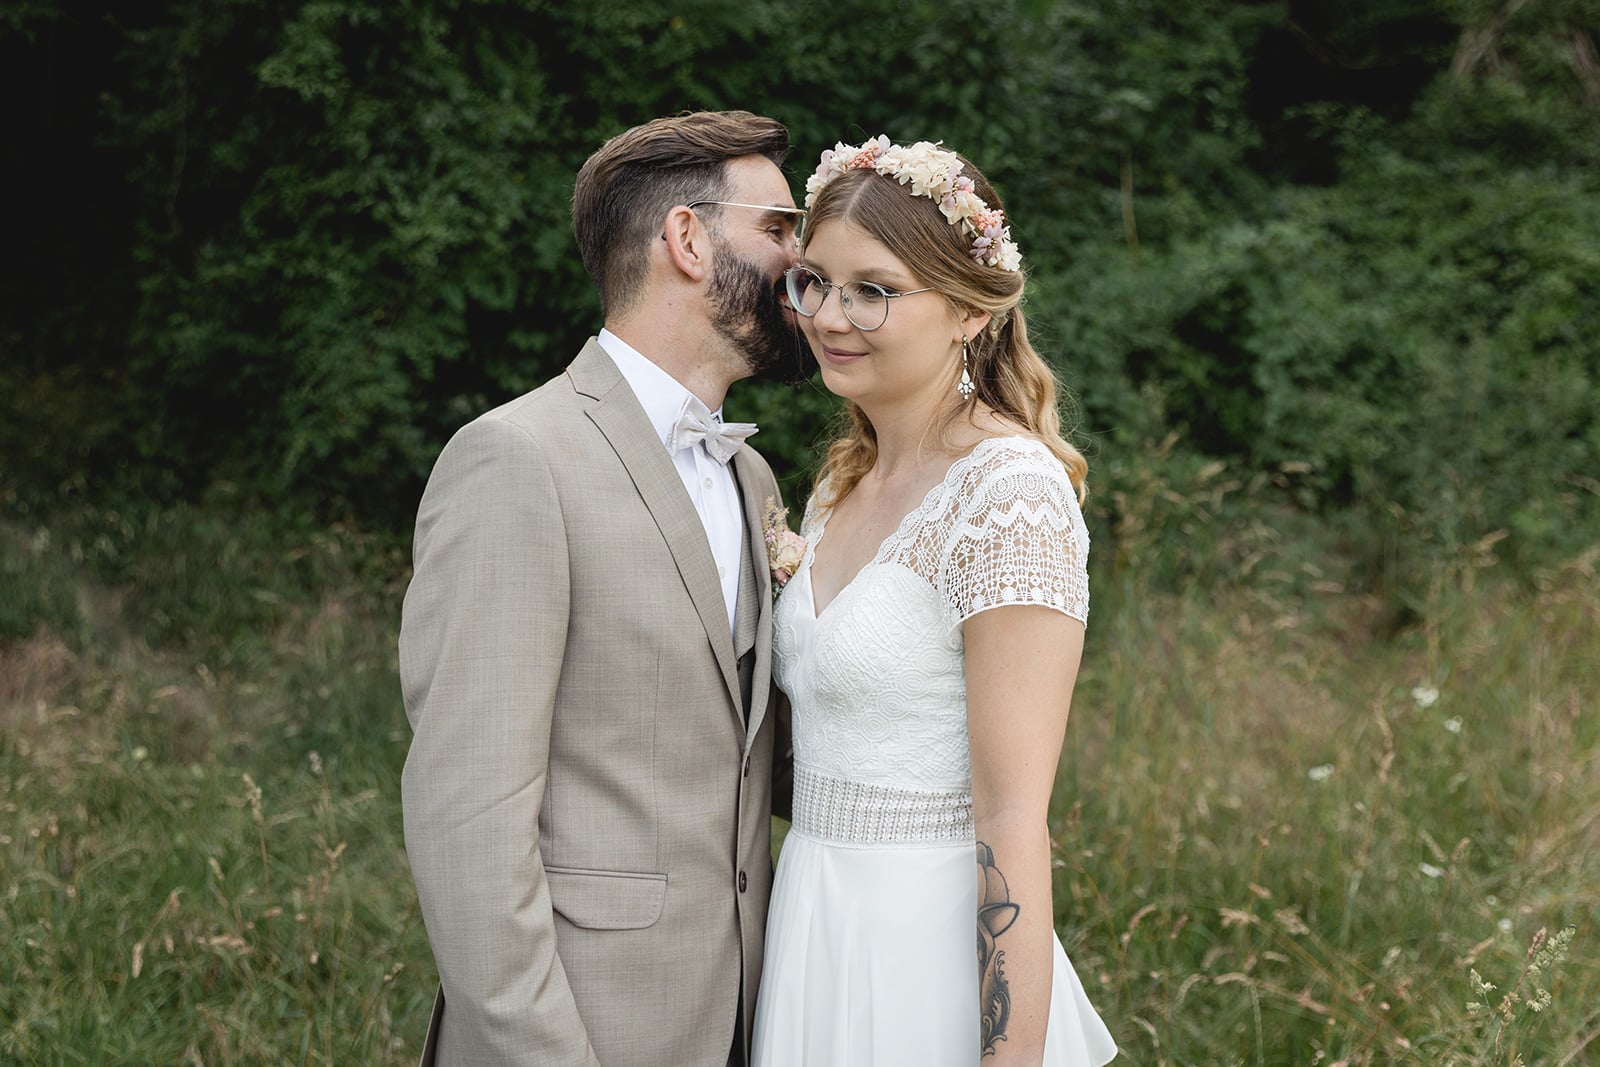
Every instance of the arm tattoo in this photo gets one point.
(996, 913)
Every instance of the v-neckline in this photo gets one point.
(905, 520)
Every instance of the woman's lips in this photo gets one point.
(839, 355)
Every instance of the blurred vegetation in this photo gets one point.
(291, 247)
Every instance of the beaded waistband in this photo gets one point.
(860, 813)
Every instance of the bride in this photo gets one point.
(929, 641)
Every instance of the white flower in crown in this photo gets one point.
(935, 173)
(929, 170)
(1010, 255)
(961, 204)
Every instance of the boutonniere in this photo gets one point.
(785, 548)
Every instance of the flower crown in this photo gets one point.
(935, 173)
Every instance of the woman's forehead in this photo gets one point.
(840, 246)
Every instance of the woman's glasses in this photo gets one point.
(865, 304)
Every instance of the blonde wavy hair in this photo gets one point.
(1012, 379)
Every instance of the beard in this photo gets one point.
(747, 311)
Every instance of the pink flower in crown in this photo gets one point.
(994, 248)
(989, 219)
(986, 247)
(961, 203)
(869, 152)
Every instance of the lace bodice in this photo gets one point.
(877, 681)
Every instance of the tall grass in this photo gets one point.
(199, 833)
(1301, 808)
(1291, 832)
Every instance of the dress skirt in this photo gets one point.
(871, 962)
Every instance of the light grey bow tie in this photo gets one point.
(696, 423)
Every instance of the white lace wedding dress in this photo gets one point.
(870, 950)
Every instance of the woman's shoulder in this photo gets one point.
(1019, 536)
(1015, 453)
(1010, 471)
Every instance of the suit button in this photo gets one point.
(742, 881)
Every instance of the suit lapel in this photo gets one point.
(747, 615)
(750, 481)
(617, 414)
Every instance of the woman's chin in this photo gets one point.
(841, 383)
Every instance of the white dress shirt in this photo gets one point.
(710, 484)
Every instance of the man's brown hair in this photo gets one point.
(625, 189)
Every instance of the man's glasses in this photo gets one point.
(865, 304)
(794, 218)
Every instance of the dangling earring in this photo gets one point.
(965, 386)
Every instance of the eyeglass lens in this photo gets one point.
(865, 304)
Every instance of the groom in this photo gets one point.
(585, 644)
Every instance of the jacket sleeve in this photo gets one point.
(482, 633)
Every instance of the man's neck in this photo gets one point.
(689, 358)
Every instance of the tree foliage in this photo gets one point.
(292, 246)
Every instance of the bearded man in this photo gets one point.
(585, 645)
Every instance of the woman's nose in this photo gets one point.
(830, 316)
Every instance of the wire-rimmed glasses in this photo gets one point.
(865, 304)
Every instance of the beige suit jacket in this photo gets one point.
(586, 808)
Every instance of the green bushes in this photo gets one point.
(291, 248)
(1415, 344)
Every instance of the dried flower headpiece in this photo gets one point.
(932, 172)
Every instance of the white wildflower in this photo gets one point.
(1320, 773)
(1453, 724)
(1430, 870)
(1426, 696)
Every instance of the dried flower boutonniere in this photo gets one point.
(785, 548)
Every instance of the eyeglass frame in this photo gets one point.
(798, 212)
(844, 302)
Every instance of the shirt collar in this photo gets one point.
(660, 394)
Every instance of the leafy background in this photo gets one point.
(1323, 278)
(293, 246)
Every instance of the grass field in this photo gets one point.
(1298, 811)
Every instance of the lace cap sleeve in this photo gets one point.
(1019, 537)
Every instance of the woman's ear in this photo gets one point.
(973, 322)
(687, 244)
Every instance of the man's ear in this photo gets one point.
(687, 243)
